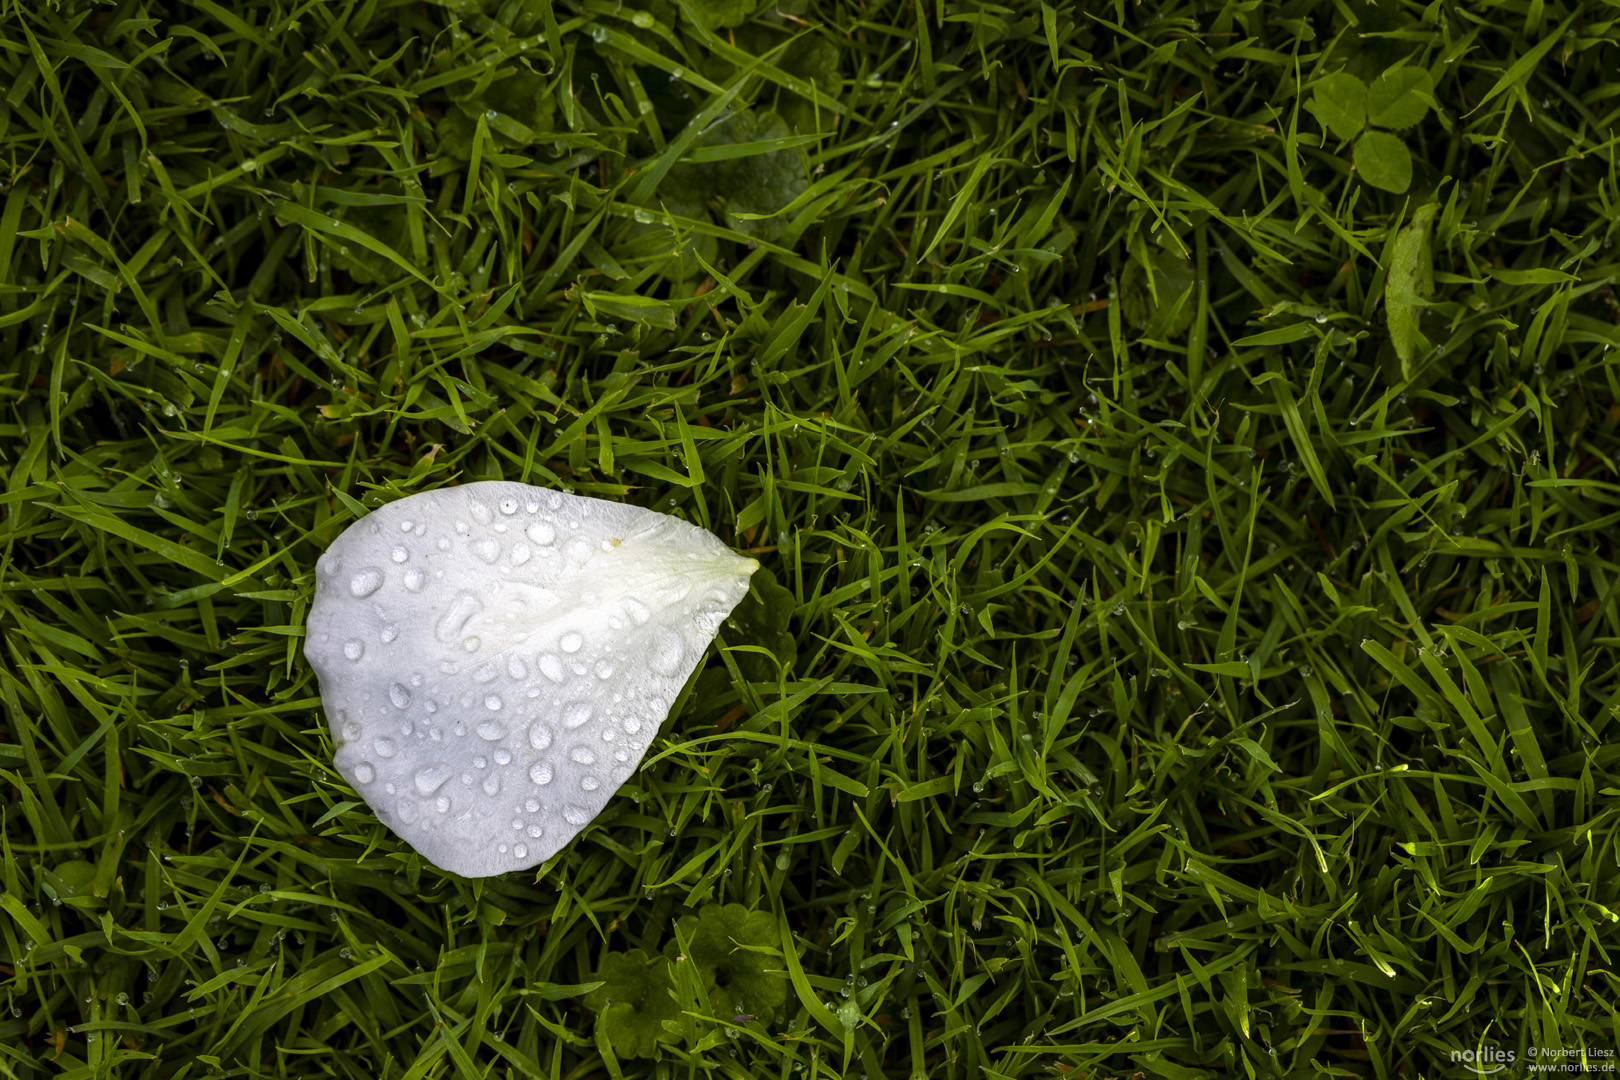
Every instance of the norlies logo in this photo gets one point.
(1486, 1061)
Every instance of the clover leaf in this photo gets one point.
(1340, 102)
(1350, 109)
(1383, 161)
(634, 1004)
(1397, 99)
(735, 950)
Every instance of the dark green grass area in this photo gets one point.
(1185, 433)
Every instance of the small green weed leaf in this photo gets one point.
(1396, 99)
(1383, 161)
(634, 1001)
(762, 619)
(389, 226)
(524, 97)
(1537, 275)
(764, 614)
(1166, 310)
(641, 309)
(516, 108)
(733, 949)
(761, 180)
(76, 876)
(74, 883)
(1340, 103)
(722, 14)
(1411, 276)
(455, 131)
(815, 59)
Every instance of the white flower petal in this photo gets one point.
(506, 675)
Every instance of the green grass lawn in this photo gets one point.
(1181, 439)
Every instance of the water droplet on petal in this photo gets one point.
(455, 617)
(365, 582)
(431, 778)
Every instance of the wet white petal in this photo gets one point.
(493, 674)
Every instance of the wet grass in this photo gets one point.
(1200, 655)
